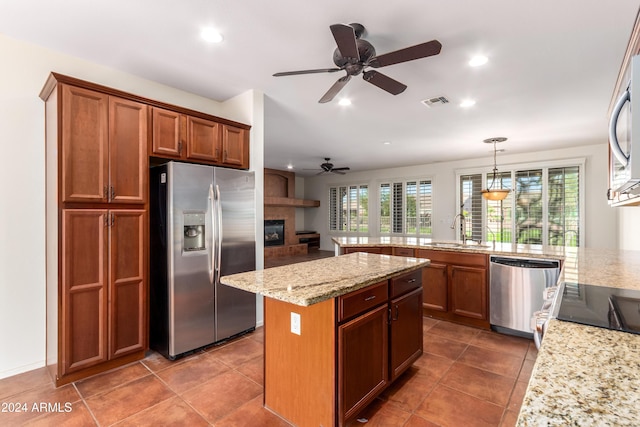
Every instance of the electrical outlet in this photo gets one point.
(295, 323)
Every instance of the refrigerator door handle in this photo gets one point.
(211, 260)
(218, 232)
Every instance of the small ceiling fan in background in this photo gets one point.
(355, 54)
(327, 167)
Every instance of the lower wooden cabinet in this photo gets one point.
(369, 249)
(363, 372)
(456, 287)
(348, 351)
(405, 345)
(102, 292)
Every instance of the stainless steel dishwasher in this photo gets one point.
(516, 291)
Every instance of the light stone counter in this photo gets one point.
(583, 375)
(311, 282)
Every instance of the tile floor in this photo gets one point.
(466, 377)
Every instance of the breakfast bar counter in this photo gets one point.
(337, 332)
(311, 282)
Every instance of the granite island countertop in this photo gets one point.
(583, 375)
(311, 282)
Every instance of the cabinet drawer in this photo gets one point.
(403, 252)
(362, 300)
(406, 282)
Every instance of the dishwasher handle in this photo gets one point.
(525, 263)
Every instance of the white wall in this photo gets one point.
(629, 230)
(25, 68)
(601, 221)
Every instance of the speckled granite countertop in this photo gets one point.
(311, 282)
(583, 375)
(536, 251)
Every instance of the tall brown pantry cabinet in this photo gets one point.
(96, 221)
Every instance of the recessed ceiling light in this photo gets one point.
(211, 35)
(478, 60)
(386, 142)
(289, 166)
(467, 103)
(344, 102)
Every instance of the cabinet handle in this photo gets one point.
(224, 156)
(105, 192)
(113, 219)
(412, 280)
(113, 193)
(106, 220)
(395, 316)
(217, 153)
(180, 148)
(372, 297)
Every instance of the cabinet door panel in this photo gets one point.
(127, 283)
(127, 150)
(84, 289)
(469, 292)
(434, 284)
(204, 140)
(406, 332)
(233, 146)
(84, 146)
(363, 360)
(167, 138)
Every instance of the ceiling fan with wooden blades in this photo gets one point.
(354, 54)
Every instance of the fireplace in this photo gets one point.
(273, 232)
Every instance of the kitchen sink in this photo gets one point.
(468, 245)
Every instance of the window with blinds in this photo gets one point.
(471, 207)
(542, 208)
(406, 207)
(349, 208)
(564, 206)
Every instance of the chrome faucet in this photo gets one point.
(463, 226)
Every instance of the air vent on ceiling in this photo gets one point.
(436, 101)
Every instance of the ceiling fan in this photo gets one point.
(354, 55)
(327, 167)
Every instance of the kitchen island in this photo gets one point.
(337, 330)
(583, 375)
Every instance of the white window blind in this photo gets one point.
(349, 208)
(542, 208)
(406, 207)
(564, 206)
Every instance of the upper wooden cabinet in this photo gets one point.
(235, 146)
(186, 137)
(103, 145)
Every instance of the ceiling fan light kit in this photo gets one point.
(491, 193)
(354, 54)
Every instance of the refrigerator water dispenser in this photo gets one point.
(194, 238)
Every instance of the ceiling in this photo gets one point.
(548, 83)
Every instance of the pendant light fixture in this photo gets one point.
(495, 193)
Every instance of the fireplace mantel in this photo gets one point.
(280, 203)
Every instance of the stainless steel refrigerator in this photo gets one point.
(202, 226)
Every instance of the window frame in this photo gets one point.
(358, 208)
(513, 168)
(403, 180)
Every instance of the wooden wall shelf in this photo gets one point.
(288, 202)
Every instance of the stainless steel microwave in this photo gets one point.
(624, 142)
